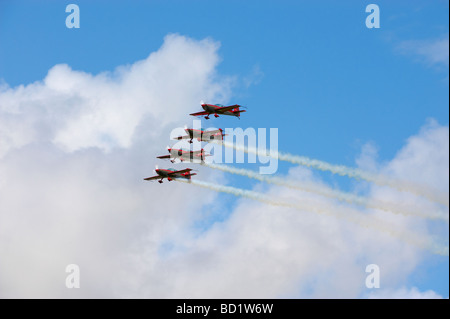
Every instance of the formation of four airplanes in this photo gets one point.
(201, 136)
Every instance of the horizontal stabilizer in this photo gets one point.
(163, 156)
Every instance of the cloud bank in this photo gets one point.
(76, 110)
(404, 293)
(431, 52)
(74, 148)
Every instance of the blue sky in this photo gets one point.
(311, 69)
(342, 81)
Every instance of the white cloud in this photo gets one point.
(367, 160)
(432, 52)
(432, 139)
(75, 110)
(403, 293)
(74, 150)
(265, 252)
(254, 77)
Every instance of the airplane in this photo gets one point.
(184, 155)
(216, 109)
(170, 174)
(201, 135)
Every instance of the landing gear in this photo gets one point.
(206, 117)
(216, 115)
(160, 181)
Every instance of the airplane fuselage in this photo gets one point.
(171, 174)
(176, 153)
(212, 109)
(165, 173)
(184, 155)
(201, 135)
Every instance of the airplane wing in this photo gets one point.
(181, 171)
(182, 137)
(226, 108)
(185, 137)
(199, 113)
(209, 133)
(163, 156)
(152, 178)
(199, 153)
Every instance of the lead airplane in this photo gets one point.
(184, 155)
(219, 109)
(170, 174)
(201, 135)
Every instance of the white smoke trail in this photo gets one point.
(331, 193)
(431, 194)
(347, 214)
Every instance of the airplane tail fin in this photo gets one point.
(237, 110)
(188, 177)
(222, 134)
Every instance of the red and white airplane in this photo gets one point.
(219, 109)
(184, 155)
(201, 135)
(171, 174)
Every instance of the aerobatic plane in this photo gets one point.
(171, 174)
(184, 155)
(219, 109)
(201, 135)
